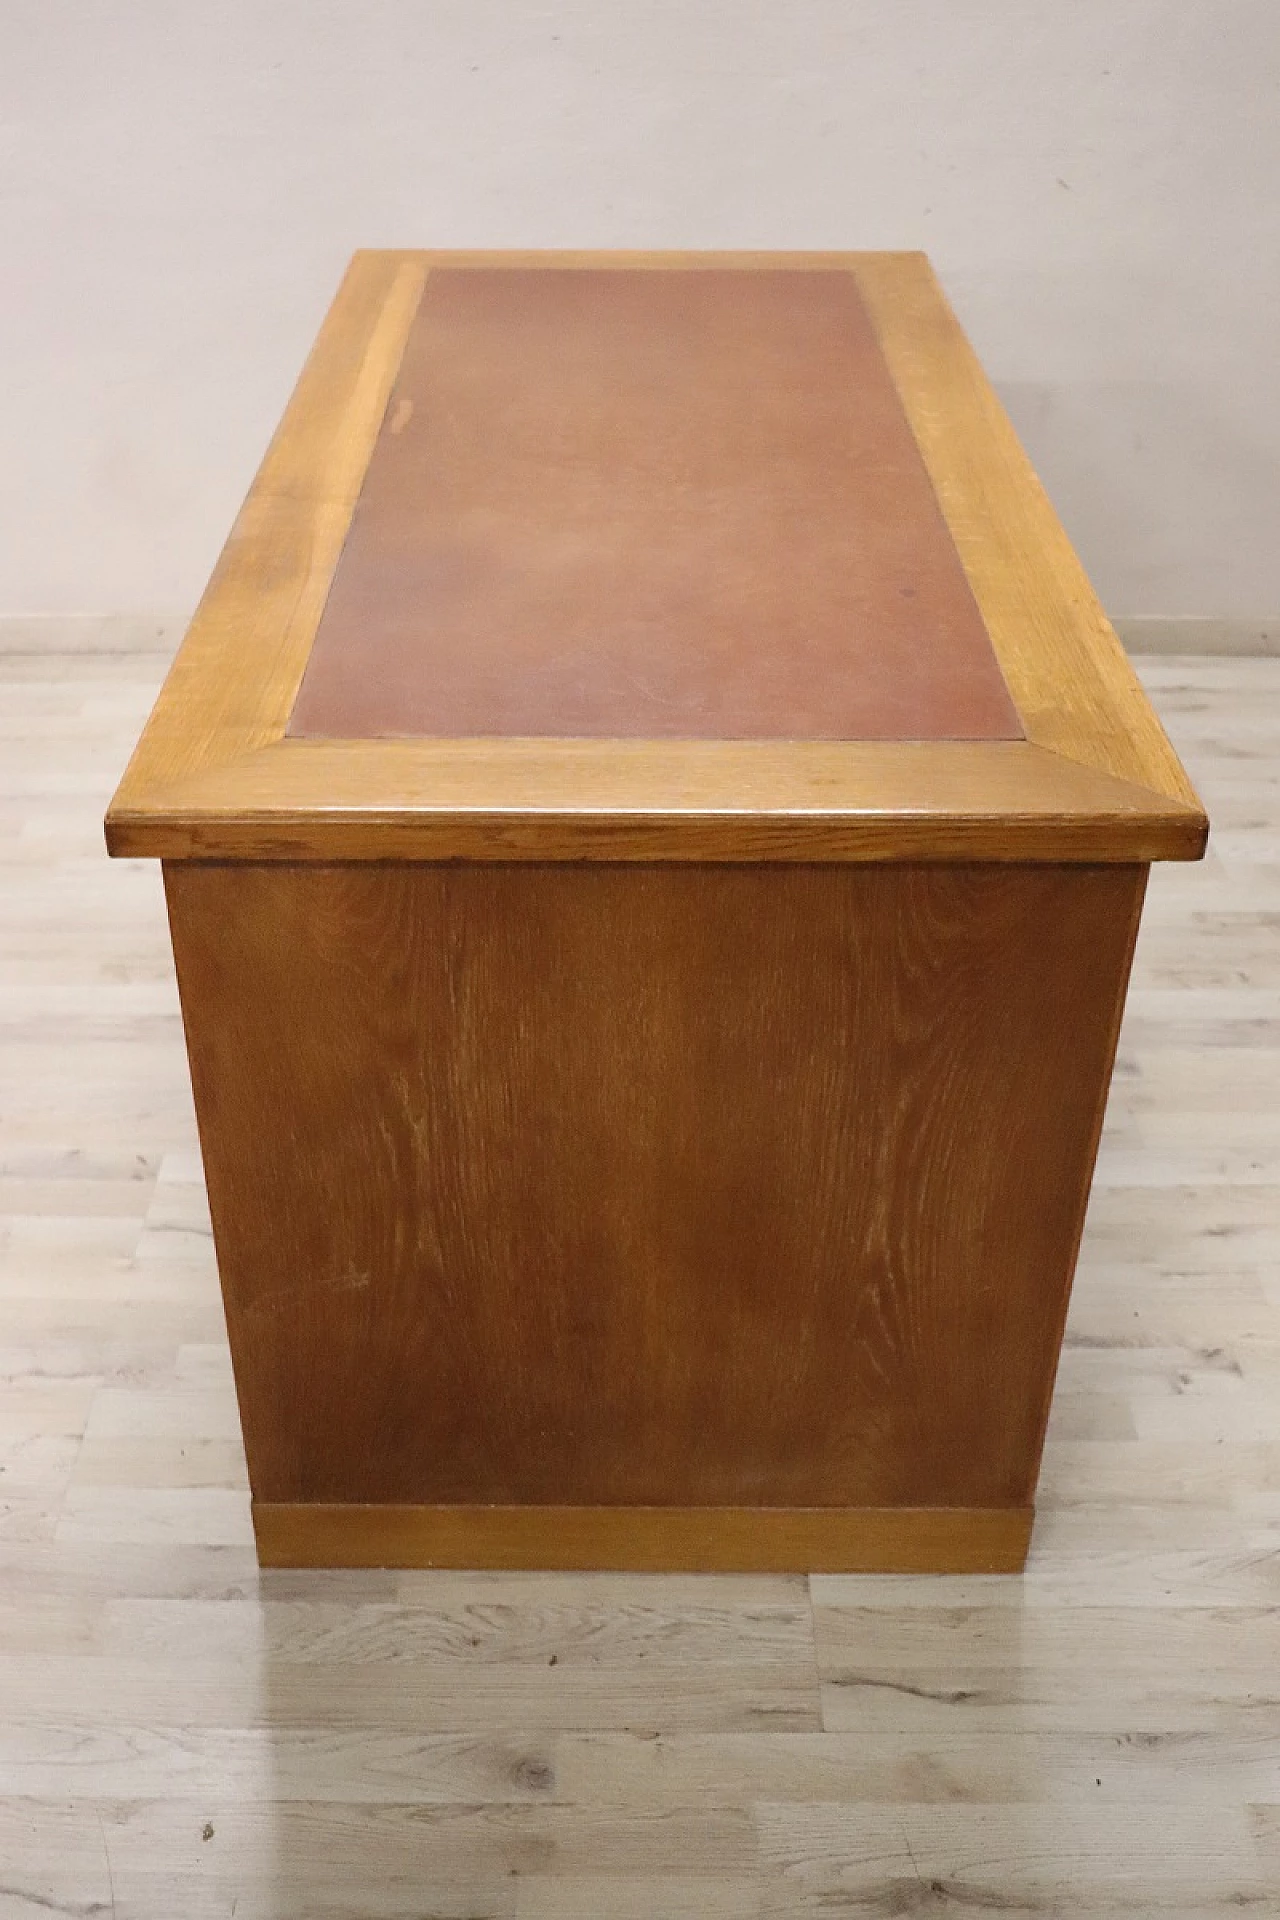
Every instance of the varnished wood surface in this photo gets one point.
(1077, 694)
(675, 801)
(213, 775)
(701, 1187)
(1097, 1738)
(232, 686)
(648, 1539)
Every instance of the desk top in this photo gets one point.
(708, 557)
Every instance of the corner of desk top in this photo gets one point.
(131, 828)
(1186, 826)
(125, 831)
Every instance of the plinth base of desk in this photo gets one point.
(647, 1539)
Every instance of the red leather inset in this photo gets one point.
(649, 503)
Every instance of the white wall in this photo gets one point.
(180, 185)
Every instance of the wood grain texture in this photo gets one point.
(648, 1185)
(679, 801)
(232, 686)
(213, 777)
(648, 1539)
(1097, 1738)
(1069, 676)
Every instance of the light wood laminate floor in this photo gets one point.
(182, 1737)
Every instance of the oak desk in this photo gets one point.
(654, 823)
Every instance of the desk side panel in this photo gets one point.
(649, 1186)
